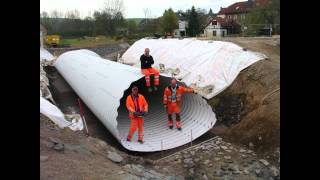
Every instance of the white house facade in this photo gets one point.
(181, 31)
(214, 28)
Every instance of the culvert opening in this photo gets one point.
(195, 115)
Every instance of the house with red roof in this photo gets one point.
(219, 27)
(228, 20)
(235, 11)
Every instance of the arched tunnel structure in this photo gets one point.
(103, 85)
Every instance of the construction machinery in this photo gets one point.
(52, 40)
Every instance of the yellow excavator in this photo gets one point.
(52, 40)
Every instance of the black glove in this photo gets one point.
(140, 114)
(136, 114)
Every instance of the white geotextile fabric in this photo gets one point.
(55, 115)
(208, 66)
(52, 112)
(48, 109)
(45, 55)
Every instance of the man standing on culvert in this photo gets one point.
(172, 101)
(146, 61)
(138, 107)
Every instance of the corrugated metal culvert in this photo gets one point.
(104, 85)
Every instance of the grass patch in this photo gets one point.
(88, 41)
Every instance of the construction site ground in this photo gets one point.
(244, 144)
(250, 108)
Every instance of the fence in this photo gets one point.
(247, 30)
(260, 29)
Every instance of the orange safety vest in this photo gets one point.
(167, 97)
(143, 105)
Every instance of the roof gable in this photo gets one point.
(238, 7)
(223, 22)
(242, 7)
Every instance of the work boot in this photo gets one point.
(155, 88)
(170, 127)
(140, 141)
(150, 89)
(178, 122)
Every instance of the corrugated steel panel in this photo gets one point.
(103, 85)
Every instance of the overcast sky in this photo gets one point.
(133, 8)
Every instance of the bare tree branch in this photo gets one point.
(113, 7)
(147, 14)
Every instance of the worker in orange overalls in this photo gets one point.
(138, 107)
(172, 101)
(146, 61)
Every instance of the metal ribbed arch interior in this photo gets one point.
(196, 115)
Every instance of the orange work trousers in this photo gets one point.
(174, 108)
(148, 72)
(136, 122)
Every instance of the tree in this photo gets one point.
(113, 7)
(273, 12)
(210, 13)
(45, 20)
(194, 26)
(88, 18)
(102, 25)
(108, 21)
(259, 17)
(202, 17)
(118, 21)
(110, 18)
(169, 21)
(44, 14)
(132, 26)
(72, 14)
(56, 14)
(87, 26)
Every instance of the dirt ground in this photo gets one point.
(257, 88)
(65, 154)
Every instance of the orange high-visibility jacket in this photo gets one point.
(180, 90)
(143, 105)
